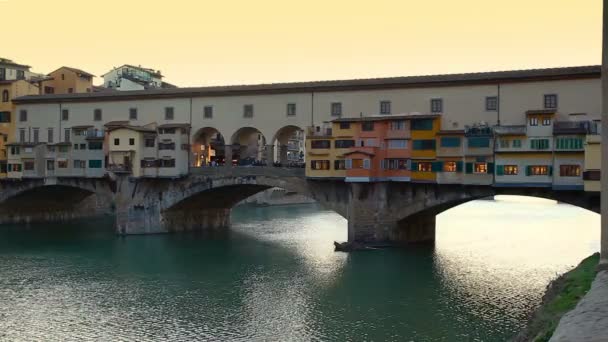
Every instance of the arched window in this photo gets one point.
(5, 96)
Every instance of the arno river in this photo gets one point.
(276, 277)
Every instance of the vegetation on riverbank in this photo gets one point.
(561, 296)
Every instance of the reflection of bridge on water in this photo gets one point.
(382, 212)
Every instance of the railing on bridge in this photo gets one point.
(242, 171)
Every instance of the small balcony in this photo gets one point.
(120, 168)
(572, 127)
(318, 131)
(95, 134)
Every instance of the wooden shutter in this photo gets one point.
(500, 170)
(490, 168)
(469, 167)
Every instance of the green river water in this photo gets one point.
(276, 277)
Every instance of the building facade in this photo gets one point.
(130, 77)
(66, 80)
(442, 128)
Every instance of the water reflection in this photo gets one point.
(276, 277)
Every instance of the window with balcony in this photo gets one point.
(539, 144)
(340, 164)
(95, 164)
(422, 125)
(550, 101)
(569, 143)
(397, 144)
(491, 103)
(344, 143)
(478, 142)
(570, 170)
(28, 165)
(319, 164)
(533, 121)
(95, 145)
(165, 162)
(15, 168)
(320, 144)
(149, 162)
(367, 126)
(421, 145)
(424, 166)
(336, 109)
(449, 142)
(480, 168)
(507, 170)
(385, 107)
(394, 164)
(397, 125)
(537, 170)
(166, 146)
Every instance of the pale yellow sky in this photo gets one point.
(202, 42)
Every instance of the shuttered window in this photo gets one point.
(450, 142)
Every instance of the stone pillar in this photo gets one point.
(269, 154)
(283, 154)
(196, 220)
(228, 155)
(135, 214)
(419, 228)
(604, 170)
(368, 220)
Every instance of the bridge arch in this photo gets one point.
(287, 145)
(34, 200)
(248, 145)
(207, 146)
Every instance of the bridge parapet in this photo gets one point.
(244, 171)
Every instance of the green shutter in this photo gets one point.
(469, 167)
(437, 166)
(414, 166)
(550, 170)
(459, 166)
(528, 170)
(500, 170)
(490, 168)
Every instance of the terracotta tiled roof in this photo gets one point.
(326, 86)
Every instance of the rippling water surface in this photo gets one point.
(276, 277)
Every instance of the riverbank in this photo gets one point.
(561, 296)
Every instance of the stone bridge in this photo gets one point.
(377, 213)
